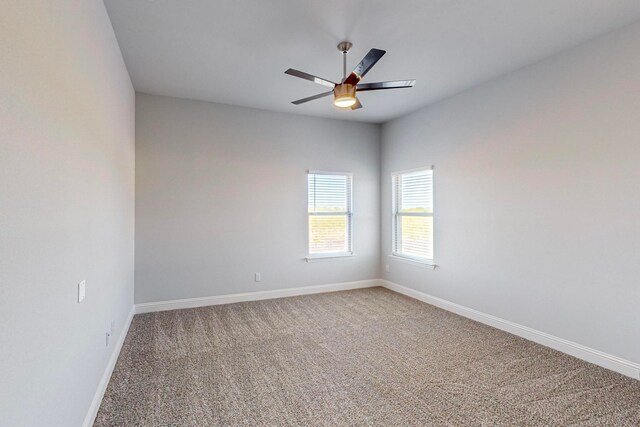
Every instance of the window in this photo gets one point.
(413, 215)
(330, 215)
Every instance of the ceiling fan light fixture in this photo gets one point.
(344, 95)
(344, 102)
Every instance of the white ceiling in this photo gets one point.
(236, 51)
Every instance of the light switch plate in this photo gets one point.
(258, 277)
(81, 290)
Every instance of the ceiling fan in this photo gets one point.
(344, 93)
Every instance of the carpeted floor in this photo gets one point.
(366, 357)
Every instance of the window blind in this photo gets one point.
(413, 215)
(330, 214)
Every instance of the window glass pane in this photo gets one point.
(328, 233)
(416, 192)
(329, 206)
(415, 236)
(329, 193)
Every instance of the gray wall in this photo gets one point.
(66, 206)
(537, 178)
(221, 194)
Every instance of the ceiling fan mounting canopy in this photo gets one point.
(344, 46)
(344, 93)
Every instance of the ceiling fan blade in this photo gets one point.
(397, 84)
(356, 105)
(310, 77)
(311, 98)
(364, 66)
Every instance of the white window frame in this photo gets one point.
(397, 215)
(348, 213)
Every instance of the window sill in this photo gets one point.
(331, 257)
(421, 264)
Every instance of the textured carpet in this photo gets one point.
(366, 357)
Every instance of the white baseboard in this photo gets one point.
(106, 376)
(580, 351)
(149, 307)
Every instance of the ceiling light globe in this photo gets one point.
(344, 102)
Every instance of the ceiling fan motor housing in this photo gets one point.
(344, 92)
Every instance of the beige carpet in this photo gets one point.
(367, 357)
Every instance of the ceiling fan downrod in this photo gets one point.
(344, 48)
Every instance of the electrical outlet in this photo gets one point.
(81, 290)
(258, 277)
(386, 268)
